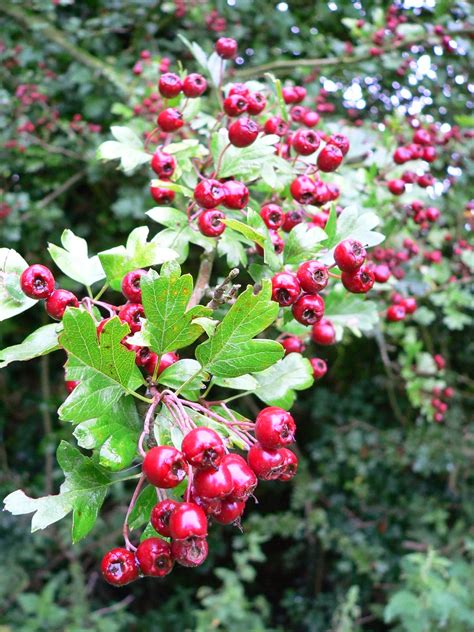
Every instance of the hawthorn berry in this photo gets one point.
(226, 47)
(272, 215)
(187, 521)
(209, 193)
(37, 281)
(164, 466)
(276, 125)
(235, 104)
(71, 385)
(190, 552)
(210, 223)
(166, 360)
(58, 301)
(448, 392)
(239, 88)
(161, 514)
(297, 113)
(131, 286)
(308, 309)
(290, 465)
(244, 480)
(161, 195)
(230, 511)
(349, 255)
(323, 333)
(243, 132)
(340, 141)
(313, 276)
(310, 118)
(402, 155)
(422, 137)
(203, 448)
(236, 195)
(266, 464)
(319, 368)
(289, 95)
(154, 557)
(305, 142)
(170, 120)
(360, 281)
(429, 154)
(213, 483)
(397, 186)
(292, 219)
(329, 158)
(119, 567)
(274, 428)
(409, 304)
(381, 273)
(163, 164)
(132, 314)
(292, 344)
(285, 288)
(396, 313)
(256, 103)
(194, 85)
(170, 85)
(302, 189)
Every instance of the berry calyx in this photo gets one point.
(188, 521)
(243, 132)
(213, 483)
(119, 567)
(285, 288)
(274, 428)
(209, 193)
(235, 104)
(319, 368)
(290, 465)
(313, 276)
(132, 314)
(154, 557)
(308, 309)
(164, 466)
(323, 333)
(160, 516)
(210, 223)
(190, 552)
(358, 282)
(349, 255)
(58, 301)
(131, 286)
(203, 448)
(37, 281)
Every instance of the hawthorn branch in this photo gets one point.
(203, 277)
(392, 397)
(65, 186)
(220, 294)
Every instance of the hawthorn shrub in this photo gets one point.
(323, 244)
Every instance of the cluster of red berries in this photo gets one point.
(388, 261)
(440, 402)
(37, 282)
(401, 307)
(219, 485)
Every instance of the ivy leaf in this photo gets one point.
(170, 325)
(127, 147)
(278, 383)
(12, 300)
(74, 260)
(355, 313)
(303, 243)
(82, 492)
(179, 372)
(40, 342)
(231, 351)
(138, 253)
(115, 433)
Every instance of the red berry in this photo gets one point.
(226, 47)
(166, 360)
(37, 281)
(119, 567)
(209, 193)
(163, 164)
(323, 333)
(329, 158)
(169, 85)
(429, 154)
(396, 313)
(432, 213)
(239, 88)
(448, 392)
(381, 273)
(285, 288)
(235, 104)
(409, 177)
(161, 514)
(170, 120)
(340, 141)
(305, 142)
(256, 103)
(132, 313)
(292, 344)
(290, 465)
(213, 483)
(203, 448)
(349, 255)
(243, 132)
(308, 309)
(71, 385)
(230, 511)
(300, 93)
(194, 85)
(267, 464)
(131, 286)
(313, 276)
(162, 195)
(297, 113)
(244, 480)
(319, 368)
(58, 301)
(276, 125)
(187, 521)
(422, 137)
(289, 95)
(397, 186)
(402, 155)
(274, 428)
(310, 118)
(360, 281)
(210, 223)
(272, 215)
(303, 189)
(409, 304)
(164, 466)
(190, 552)
(292, 219)
(236, 195)
(438, 417)
(154, 557)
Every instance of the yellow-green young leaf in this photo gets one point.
(74, 259)
(40, 342)
(277, 384)
(232, 351)
(12, 299)
(127, 147)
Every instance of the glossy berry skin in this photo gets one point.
(236, 195)
(396, 187)
(422, 137)
(358, 282)
(131, 286)
(161, 514)
(166, 360)
(340, 141)
(230, 511)
(429, 154)
(169, 85)
(292, 344)
(194, 85)
(58, 301)
(266, 464)
(409, 304)
(276, 125)
(290, 465)
(132, 313)
(203, 448)
(170, 120)
(209, 193)
(226, 47)
(292, 219)
(188, 521)
(439, 361)
(235, 105)
(323, 333)
(402, 155)
(243, 132)
(244, 480)
(329, 158)
(319, 368)
(164, 466)
(310, 118)
(285, 288)
(308, 309)
(313, 276)
(213, 483)
(349, 255)
(239, 88)
(256, 103)
(163, 164)
(210, 223)
(381, 273)
(162, 195)
(274, 428)
(37, 281)
(272, 215)
(303, 189)
(396, 313)
(154, 557)
(71, 385)
(119, 567)
(289, 95)
(305, 142)
(190, 552)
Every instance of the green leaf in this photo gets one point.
(12, 299)
(138, 253)
(172, 186)
(331, 228)
(74, 260)
(179, 372)
(232, 246)
(279, 92)
(127, 147)
(273, 260)
(242, 383)
(404, 604)
(141, 511)
(278, 383)
(231, 351)
(115, 433)
(82, 492)
(353, 312)
(170, 325)
(303, 243)
(40, 342)
(247, 231)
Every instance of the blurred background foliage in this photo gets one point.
(376, 531)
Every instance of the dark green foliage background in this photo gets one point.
(327, 552)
